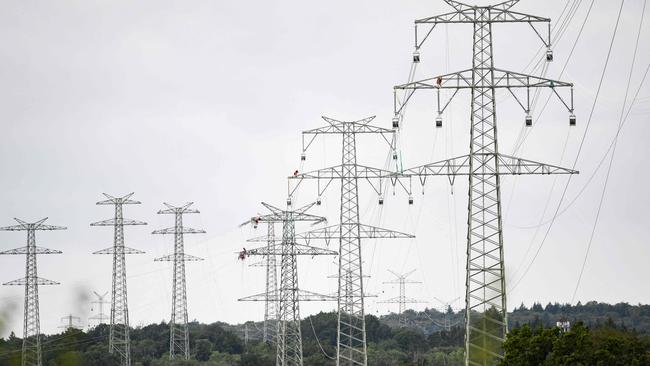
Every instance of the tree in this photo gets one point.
(203, 349)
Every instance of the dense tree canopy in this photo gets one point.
(605, 335)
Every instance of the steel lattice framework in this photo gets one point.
(271, 289)
(31, 351)
(401, 280)
(179, 338)
(119, 340)
(351, 325)
(485, 298)
(100, 302)
(289, 296)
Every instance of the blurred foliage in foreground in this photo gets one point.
(601, 334)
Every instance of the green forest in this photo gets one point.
(600, 334)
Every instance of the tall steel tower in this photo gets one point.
(401, 280)
(99, 302)
(31, 353)
(119, 340)
(179, 339)
(351, 326)
(271, 293)
(289, 337)
(71, 322)
(485, 297)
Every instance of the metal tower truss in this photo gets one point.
(401, 280)
(351, 325)
(179, 338)
(286, 300)
(71, 322)
(271, 289)
(485, 298)
(119, 340)
(31, 352)
(100, 302)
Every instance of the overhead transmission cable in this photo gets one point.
(611, 160)
(584, 136)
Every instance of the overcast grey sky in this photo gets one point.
(204, 101)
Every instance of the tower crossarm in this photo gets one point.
(115, 222)
(506, 165)
(374, 176)
(125, 200)
(503, 79)
(398, 300)
(338, 127)
(297, 249)
(467, 14)
(178, 257)
(181, 230)
(35, 250)
(185, 209)
(263, 264)
(279, 215)
(341, 127)
(303, 295)
(119, 250)
(38, 225)
(365, 232)
(25, 281)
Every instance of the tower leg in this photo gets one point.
(351, 333)
(485, 298)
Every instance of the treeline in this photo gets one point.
(600, 332)
(219, 344)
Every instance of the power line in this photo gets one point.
(611, 161)
(584, 136)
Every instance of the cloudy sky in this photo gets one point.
(204, 101)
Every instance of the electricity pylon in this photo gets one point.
(100, 302)
(289, 296)
(179, 338)
(271, 293)
(351, 325)
(401, 280)
(119, 340)
(72, 322)
(447, 310)
(485, 296)
(31, 352)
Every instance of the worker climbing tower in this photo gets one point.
(179, 338)
(351, 326)
(401, 280)
(485, 297)
(119, 340)
(31, 352)
(289, 296)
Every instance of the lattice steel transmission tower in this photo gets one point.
(401, 280)
(289, 337)
(351, 325)
(31, 352)
(71, 322)
(100, 302)
(269, 330)
(119, 340)
(485, 297)
(179, 338)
